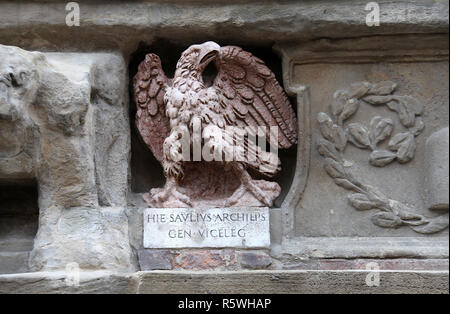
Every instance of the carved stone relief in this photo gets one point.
(18, 90)
(436, 165)
(380, 135)
(55, 114)
(401, 147)
(244, 94)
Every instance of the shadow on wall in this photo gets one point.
(146, 171)
(19, 216)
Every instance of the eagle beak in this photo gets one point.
(208, 52)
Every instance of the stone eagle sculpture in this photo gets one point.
(244, 93)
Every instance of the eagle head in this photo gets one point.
(197, 57)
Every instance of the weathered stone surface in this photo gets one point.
(254, 260)
(436, 163)
(240, 22)
(13, 262)
(19, 83)
(326, 68)
(52, 126)
(224, 259)
(364, 264)
(273, 282)
(257, 282)
(56, 110)
(92, 238)
(111, 140)
(55, 282)
(155, 259)
(16, 245)
(18, 226)
(363, 247)
(200, 227)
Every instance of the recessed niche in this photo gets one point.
(146, 171)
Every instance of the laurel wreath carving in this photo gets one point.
(401, 148)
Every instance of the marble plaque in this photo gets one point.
(206, 228)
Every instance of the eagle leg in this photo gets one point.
(169, 192)
(173, 171)
(248, 184)
(236, 197)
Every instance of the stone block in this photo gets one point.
(206, 260)
(92, 238)
(155, 259)
(254, 260)
(13, 262)
(200, 227)
(436, 167)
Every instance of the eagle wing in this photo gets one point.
(150, 85)
(251, 97)
(246, 84)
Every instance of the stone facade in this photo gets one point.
(364, 189)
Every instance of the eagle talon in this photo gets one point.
(259, 193)
(258, 188)
(237, 195)
(169, 192)
(182, 197)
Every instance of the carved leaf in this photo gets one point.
(380, 129)
(377, 100)
(394, 143)
(405, 146)
(357, 90)
(405, 115)
(339, 99)
(334, 169)
(350, 107)
(406, 151)
(327, 149)
(386, 220)
(358, 135)
(360, 201)
(413, 104)
(339, 136)
(405, 213)
(418, 127)
(326, 126)
(407, 108)
(346, 184)
(434, 225)
(416, 221)
(381, 158)
(331, 131)
(383, 88)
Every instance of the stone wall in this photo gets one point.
(367, 183)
